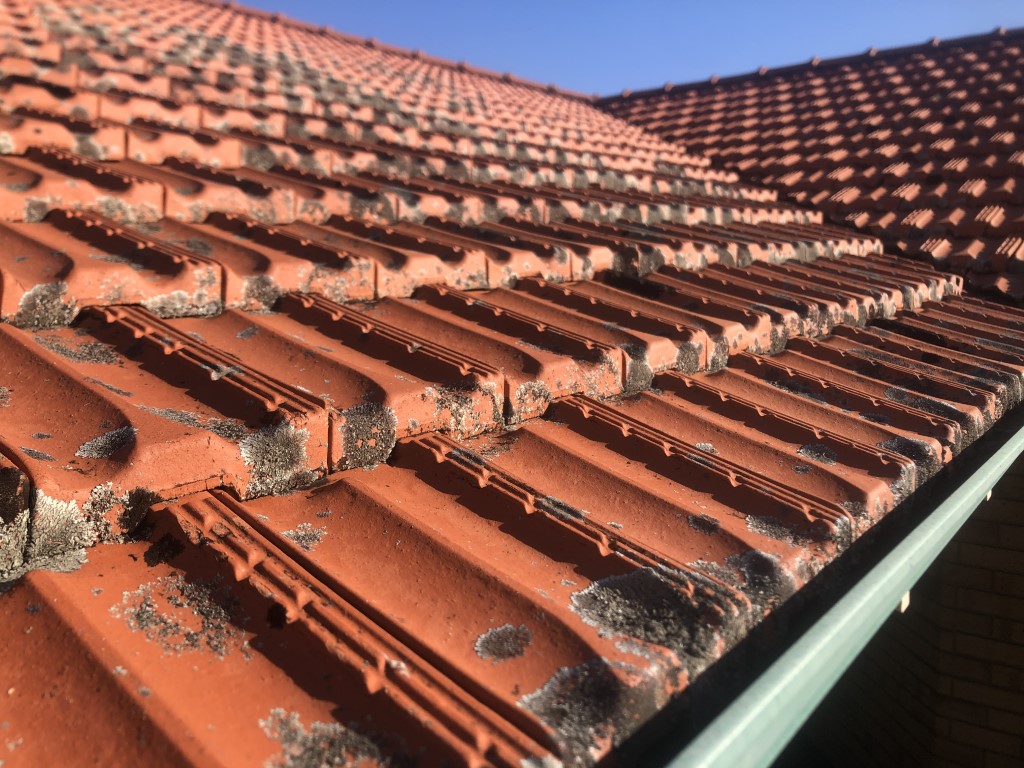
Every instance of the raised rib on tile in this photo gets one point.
(153, 143)
(892, 288)
(711, 247)
(611, 366)
(971, 308)
(602, 246)
(285, 434)
(48, 178)
(863, 479)
(741, 326)
(99, 262)
(860, 300)
(997, 371)
(920, 389)
(498, 540)
(631, 205)
(194, 190)
(988, 340)
(666, 511)
(564, 504)
(933, 284)
(661, 245)
(21, 92)
(27, 128)
(507, 257)
(691, 347)
(375, 402)
(125, 109)
(468, 395)
(988, 394)
(754, 379)
(629, 248)
(360, 631)
(789, 308)
(733, 483)
(827, 240)
(258, 266)
(645, 351)
(767, 243)
(533, 371)
(420, 261)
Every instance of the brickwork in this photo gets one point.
(943, 683)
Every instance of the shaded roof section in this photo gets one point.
(918, 145)
(381, 409)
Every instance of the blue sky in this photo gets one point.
(603, 47)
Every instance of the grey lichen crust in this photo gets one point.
(369, 434)
(592, 705)
(52, 534)
(60, 531)
(44, 307)
(503, 643)
(166, 610)
(14, 512)
(646, 606)
(324, 744)
(305, 535)
(276, 455)
(106, 445)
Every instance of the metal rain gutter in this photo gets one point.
(760, 722)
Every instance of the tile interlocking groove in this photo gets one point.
(361, 406)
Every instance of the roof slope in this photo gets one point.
(385, 410)
(921, 146)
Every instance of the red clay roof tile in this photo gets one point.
(418, 412)
(920, 120)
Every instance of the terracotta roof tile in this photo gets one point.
(926, 103)
(384, 408)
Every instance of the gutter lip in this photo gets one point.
(759, 723)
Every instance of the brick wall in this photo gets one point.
(943, 683)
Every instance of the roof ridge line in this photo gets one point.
(374, 44)
(818, 63)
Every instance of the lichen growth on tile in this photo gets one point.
(594, 706)
(276, 455)
(324, 744)
(305, 535)
(44, 307)
(503, 643)
(106, 445)
(183, 616)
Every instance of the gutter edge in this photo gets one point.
(754, 729)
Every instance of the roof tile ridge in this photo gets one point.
(816, 63)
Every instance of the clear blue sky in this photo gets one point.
(603, 47)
